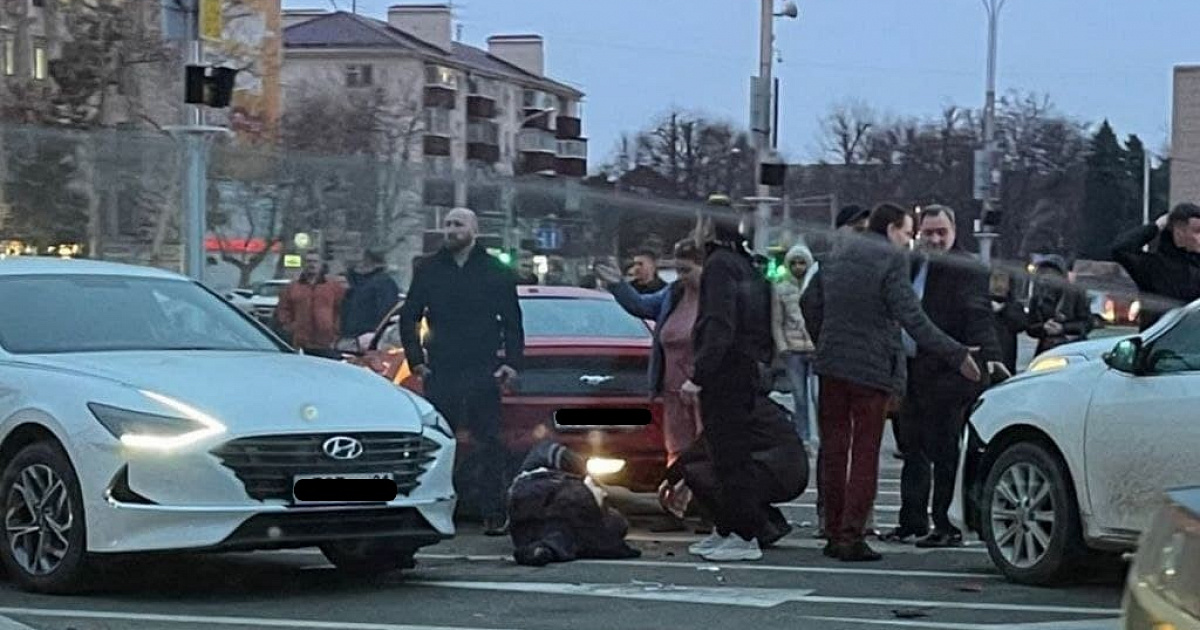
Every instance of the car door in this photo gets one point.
(1143, 431)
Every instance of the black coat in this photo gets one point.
(733, 323)
(956, 299)
(1010, 321)
(1167, 278)
(370, 297)
(1064, 304)
(471, 312)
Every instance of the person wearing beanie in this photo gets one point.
(792, 340)
(1058, 312)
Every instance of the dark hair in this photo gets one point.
(374, 257)
(852, 213)
(647, 252)
(1183, 213)
(937, 210)
(884, 215)
(686, 250)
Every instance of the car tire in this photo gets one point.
(1033, 546)
(367, 558)
(42, 473)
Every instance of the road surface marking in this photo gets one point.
(651, 591)
(1087, 624)
(709, 566)
(736, 596)
(813, 506)
(13, 624)
(229, 621)
(801, 542)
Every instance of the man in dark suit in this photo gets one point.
(954, 292)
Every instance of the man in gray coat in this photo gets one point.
(855, 311)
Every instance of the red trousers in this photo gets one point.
(851, 419)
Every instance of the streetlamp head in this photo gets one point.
(790, 10)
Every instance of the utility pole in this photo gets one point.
(985, 228)
(762, 106)
(203, 19)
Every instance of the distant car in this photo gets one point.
(142, 413)
(1114, 309)
(1163, 587)
(1072, 456)
(582, 350)
(264, 298)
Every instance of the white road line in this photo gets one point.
(756, 597)
(878, 508)
(706, 566)
(1087, 624)
(13, 624)
(228, 621)
(801, 542)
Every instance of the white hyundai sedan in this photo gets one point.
(141, 412)
(1072, 458)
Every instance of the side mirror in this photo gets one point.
(1126, 356)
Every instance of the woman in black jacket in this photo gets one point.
(1058, 312)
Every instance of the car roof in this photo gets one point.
(44, 265)
(532, 291)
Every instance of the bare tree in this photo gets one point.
(846, 132)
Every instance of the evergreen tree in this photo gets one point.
(1106, 194)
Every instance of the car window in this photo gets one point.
(94, 313)
(576, 317)
(1178, 350)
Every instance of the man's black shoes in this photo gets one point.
(940, 539)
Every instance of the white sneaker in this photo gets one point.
(734, 548)
(713, 541)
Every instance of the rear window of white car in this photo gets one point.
(47, 314)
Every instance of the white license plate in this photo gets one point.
(332, 477)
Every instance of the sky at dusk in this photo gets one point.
(637, 59)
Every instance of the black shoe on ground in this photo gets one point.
(859, 552)
(495, 526)
(941, 539)
(833, 550)
(774, 533)
(904, 535)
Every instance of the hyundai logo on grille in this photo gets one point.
(342, 447)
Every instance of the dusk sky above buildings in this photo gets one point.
(637, 59)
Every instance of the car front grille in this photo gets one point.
(266, 465)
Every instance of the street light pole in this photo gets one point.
(985, 233)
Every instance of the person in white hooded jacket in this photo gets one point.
(792, 341)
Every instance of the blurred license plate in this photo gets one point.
(344, 488)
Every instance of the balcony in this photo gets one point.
(537, 119)
(569, 128)
(441, 78)
(536, 141)
(483, 142)
(480, 106)
(537, 163)
(438, 122)
(437, 146)
(572, 149)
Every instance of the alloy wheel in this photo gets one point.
(38, 519)
(1023, 515)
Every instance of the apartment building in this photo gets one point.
(490, 110)
(1185, 135)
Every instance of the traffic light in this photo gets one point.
(211, 86)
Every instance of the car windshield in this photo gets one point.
(576, 317)
(96, 313)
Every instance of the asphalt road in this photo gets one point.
(471, 582)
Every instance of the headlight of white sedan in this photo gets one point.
(140, 429)
(1053, 363)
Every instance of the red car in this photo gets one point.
(582, 351)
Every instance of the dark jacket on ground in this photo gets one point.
(1167, 278)
(855, 308)
(471, 312)
(370, 297)
(956, 299)
(733, 323)
(656, 306)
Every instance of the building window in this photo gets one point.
(360, 76)
(10, 57)
(437, 122)
(40, 64)
(441, 76)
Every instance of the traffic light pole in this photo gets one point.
(196, 139)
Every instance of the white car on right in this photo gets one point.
(1071, 458)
